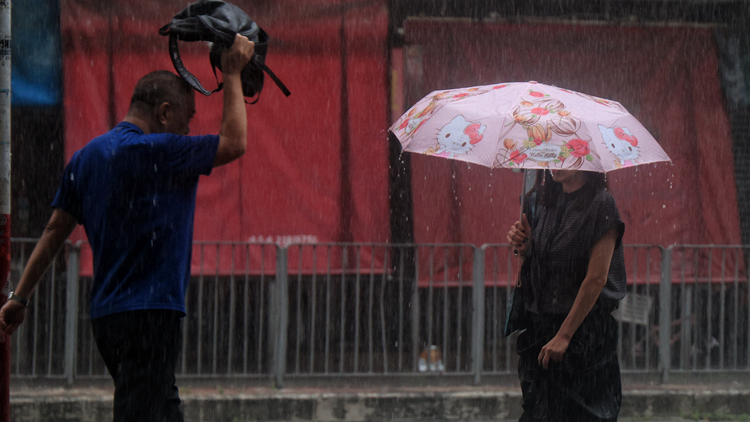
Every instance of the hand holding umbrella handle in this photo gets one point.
(519, 235)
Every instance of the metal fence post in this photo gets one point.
(665, 314)
(415, 306)
(280, 315)
(477, 316)
(71, 310)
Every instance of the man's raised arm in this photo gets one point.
(233, 134)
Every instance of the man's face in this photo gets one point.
(179, 117)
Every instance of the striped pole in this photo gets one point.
(4, 199)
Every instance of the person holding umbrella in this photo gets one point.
(569, 235)
(572, 277)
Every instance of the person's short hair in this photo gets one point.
(160, 86)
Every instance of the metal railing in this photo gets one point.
(278, 312)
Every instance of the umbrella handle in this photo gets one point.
(523, 194)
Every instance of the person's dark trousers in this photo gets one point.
(140, 349)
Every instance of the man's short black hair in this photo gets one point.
(160, 86)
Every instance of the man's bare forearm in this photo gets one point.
(234, 118)
(59, 227)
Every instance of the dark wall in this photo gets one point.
(36, 113)
(36, 165)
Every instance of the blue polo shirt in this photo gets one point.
(135, 196)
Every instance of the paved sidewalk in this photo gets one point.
(358, 404)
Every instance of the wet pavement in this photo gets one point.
(715, 402)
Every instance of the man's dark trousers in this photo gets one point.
(140, 349)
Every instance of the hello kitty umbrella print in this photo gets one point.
(527, 125)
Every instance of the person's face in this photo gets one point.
(566, 176)
(177, 119)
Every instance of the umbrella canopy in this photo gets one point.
(527, 125)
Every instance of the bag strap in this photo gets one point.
(261, 62)
(174, 53)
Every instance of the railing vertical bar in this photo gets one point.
(736, 319)
(495, 306)
(199, 338)
(709, 308)
(459, 322)
(282, 284)
(89, 338)
(232, 310)
(184, 328)
(314, 295)
(635, 292)
(415, 311)
(215, 334)
(357, 293)
(684, 316)
(246, 312)
(328, 311)
(22, 329)
(478, 321)
(298, 327)
(445, 303)
(695, 298)
(53, 299)
(383, 333)
(71, 311)
(400, 343)
(665, 313)
(647, 335)
(342, 307)
(261, 306)
(17, 356)
(722, 307)
(430, 295)
(508, 286)
(35, 334)
(370, 300)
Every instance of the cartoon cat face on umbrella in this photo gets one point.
(620, 142)
(457, 137)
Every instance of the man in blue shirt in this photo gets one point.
(133, 189)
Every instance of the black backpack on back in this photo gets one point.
(217, 21)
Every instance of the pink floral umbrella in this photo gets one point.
(527, 125)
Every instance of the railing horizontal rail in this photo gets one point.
(310, 310)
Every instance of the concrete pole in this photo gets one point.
(4, 199)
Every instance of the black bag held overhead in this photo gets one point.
(217, 21)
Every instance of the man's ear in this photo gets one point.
(162, 112)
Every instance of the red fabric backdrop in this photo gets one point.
(289, 184)
(666, 77)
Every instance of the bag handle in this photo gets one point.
(174, 53)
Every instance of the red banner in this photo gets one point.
(666, 77)
(316, 167)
